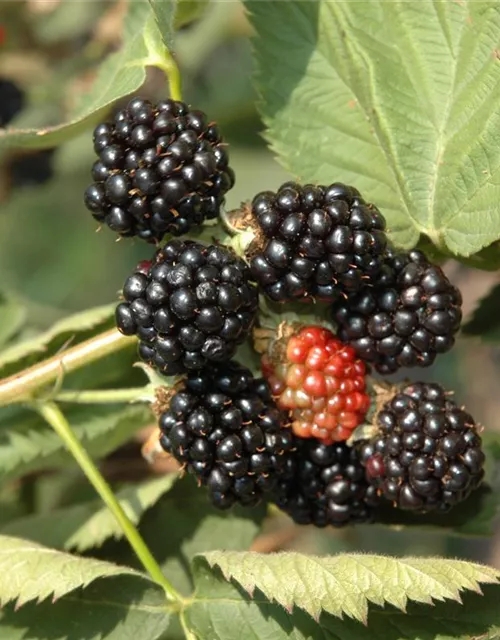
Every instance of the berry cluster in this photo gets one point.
(162, 169)
(320, 381)
(318, 242)
(224, 428)
(427, 453)
(191, 306)
(410, 315)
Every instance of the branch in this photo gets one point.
(22, 386)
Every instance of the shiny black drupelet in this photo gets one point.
(224, 428)
(192, 305)
(406, 319)
(427, 453)
(318, 242)
(328, 487)
(161, 169)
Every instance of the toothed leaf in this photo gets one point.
(224, 609)
(29, 571)
(117, 608)
(399, 99)
(346, 584)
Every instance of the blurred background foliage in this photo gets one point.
(53, 261)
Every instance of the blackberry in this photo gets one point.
(318, 242)
(11, 101)
(194, 304)
(328, 486)
(31, 169)
(224, 428)
(411, 314)
(427, 453)
(161, 169)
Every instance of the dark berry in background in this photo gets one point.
(11, 101)
(194, 305)
(319, 242)
(161, 168)
(411, 314)
(427, 453)
(328, 487)
(31, 169)
(225, 429)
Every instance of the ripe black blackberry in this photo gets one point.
(11, 101)
(162, 169)
(328, 487)
(411, 314)
(225, 429)
(192, 305)
(427, 453)
(318, 242)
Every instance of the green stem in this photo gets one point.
(21, 386)
(169, 67)
(101, 396)
(53, 415)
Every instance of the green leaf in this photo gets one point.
(397, 99)
(198, 527)
(221, 610)
(485, 321)
(121, 608)
(12, 317)
(88, 525)
(344, 584)
(174, 14)
(29, 571)
(164, 13)
(28, 444)
(120, 74)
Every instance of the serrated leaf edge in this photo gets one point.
(359, 609)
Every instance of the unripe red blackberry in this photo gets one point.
(328, 487)
(427, 453)
(161, 169)
(224, 428)
(193, 305)
(317, 242)
(411, 314)
(319, 380)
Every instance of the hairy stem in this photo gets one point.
(53, 415)
(21, 386)
(101, 396)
